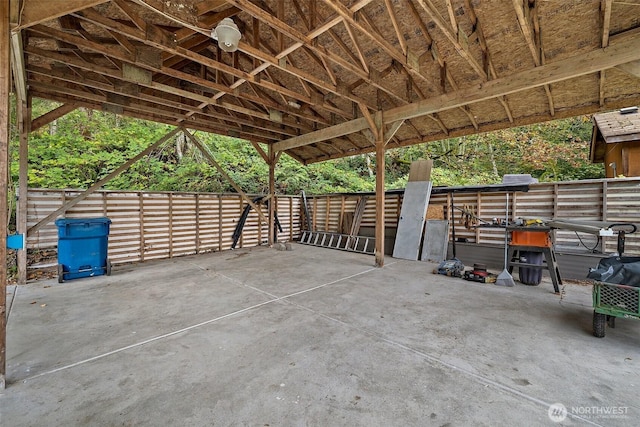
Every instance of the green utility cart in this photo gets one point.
(611, 301)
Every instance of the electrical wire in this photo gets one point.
(583, 244)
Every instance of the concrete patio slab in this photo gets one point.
(312, 337)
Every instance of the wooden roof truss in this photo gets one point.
(310, 74)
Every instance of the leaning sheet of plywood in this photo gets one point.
(411, 221)
(420, 170)
(436, 238)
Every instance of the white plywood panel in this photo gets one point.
(436, 239)
(411, 222)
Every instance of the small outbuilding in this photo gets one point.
(616, 142)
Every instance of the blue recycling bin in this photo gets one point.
(82, 247)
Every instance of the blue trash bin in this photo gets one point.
(82, 247)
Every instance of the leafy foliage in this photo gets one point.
(77, 150)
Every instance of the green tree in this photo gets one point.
(83, 146)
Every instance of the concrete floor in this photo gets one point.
(313, 337)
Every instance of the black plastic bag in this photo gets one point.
(617, 270)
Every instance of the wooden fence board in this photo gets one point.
(610, 200)
(146, 225)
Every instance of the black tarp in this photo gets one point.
(617, 270)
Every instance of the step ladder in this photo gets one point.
(344, 242)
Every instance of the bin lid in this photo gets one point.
(61, 222)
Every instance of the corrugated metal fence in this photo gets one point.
(593, 200)
(148, 225)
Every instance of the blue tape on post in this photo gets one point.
(16, 241)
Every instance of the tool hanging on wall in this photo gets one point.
(469, 218)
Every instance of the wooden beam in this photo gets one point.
(160, 100)
(390, 133)
(52, 115)
(380, 220)
(605, 8)
(632, 68)
(325, 134)
(589, 108)
(452, 17)
(23, 112)
(17, 63)
(5, 121)
(157, 116)
(431, 47)
(170, 90)
(396, 26)
(268, 60)
(370, 121)
(489, 67)
(621, 52)
(348, 16)
(38, 11)
(439, 122)
(272, 190)
(260, 151)
(601, 91)
(428, 7)
(356, 45)
(136, 18)
(206, 153)
(160, 39)
(80, 197)
(527, 29)
(307, 42)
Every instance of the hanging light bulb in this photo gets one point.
(227, 34)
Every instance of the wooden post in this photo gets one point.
(141, 220)
(23, 111)
(376, 125)
(290, 218)
(272, 197)
(219, 222)
(380, 225)
(170, 222)
(197, 223)
(5, 88)
(326, 218)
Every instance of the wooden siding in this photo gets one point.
(146, 225)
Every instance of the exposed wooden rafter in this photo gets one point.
(308, 68)
(525, 16)
(605, 8)
(620, 53)
(452, 36)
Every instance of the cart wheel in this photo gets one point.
(60, 273)
(108, 267)
(611, 321)
(599, 324)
